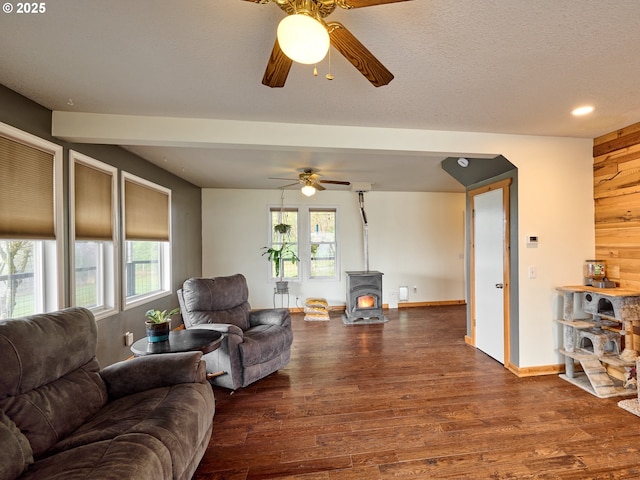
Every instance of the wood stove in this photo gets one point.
(364, 295)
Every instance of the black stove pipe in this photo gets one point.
(365, 226)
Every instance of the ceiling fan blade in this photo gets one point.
(290, 185)
(361, 58)
(278, 68)
(360, 3)
(282, 178)
(317, 186)
(335, 182)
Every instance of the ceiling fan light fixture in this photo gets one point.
(308, 190)
(303, 39)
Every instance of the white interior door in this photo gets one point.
(489, 234)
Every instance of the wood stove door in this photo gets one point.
(488, 261)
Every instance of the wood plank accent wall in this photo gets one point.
(616, 192)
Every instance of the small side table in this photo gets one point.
(204, 341)
(283, 293)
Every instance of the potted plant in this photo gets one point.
(284, 252)
(282, 228)
(278, 255)
(158, 324)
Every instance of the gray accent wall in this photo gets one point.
(186, 214)
(478, 173)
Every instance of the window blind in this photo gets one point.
(27, 206)
(146, 212)
(93, 203)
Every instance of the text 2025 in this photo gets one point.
(31, 7)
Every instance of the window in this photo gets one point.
(31, 238)
(93, 210)
(317, 250)
(287, 241)
(322, 243)
(147, 260)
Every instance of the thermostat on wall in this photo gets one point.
(532, 240)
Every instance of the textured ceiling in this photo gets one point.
(501, 66)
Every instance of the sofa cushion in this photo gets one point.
(16, 454)
(53, 411)
(179, 416)
(218, 300)
(39, 349)
(133, 456)
(264, 342)
(49, 380)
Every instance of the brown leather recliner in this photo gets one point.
(256, 343)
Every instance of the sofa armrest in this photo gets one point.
(270, 316)
(153, 371)
(219, 327)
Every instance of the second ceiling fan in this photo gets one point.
(340, 38)
(310, 181)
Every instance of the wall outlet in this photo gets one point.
(128, 339)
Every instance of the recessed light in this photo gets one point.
(585, 110)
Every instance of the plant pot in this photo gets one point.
(158, 332)
(282, 228)
(282, 287)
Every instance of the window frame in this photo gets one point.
(109, 254)
(50, 280)
(304, 242)
(336, 275)
(165, 257)
(299, 267)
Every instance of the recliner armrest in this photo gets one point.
(153, 371)
(219, 327)
(270, 316)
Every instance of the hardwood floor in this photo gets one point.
(408, 399)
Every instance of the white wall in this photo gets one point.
(555, 197)
(415, 239)
(555, 202)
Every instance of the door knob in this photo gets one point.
(499, 285)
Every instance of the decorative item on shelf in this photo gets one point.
(595, 274)
(158, 324)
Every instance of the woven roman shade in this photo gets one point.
(93, 203)
(27, 206)
(146, 212)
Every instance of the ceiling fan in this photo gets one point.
(310, 181)
(340, 38)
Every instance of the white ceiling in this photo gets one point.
(501, 66)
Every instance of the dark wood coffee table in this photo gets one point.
(204, 341)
